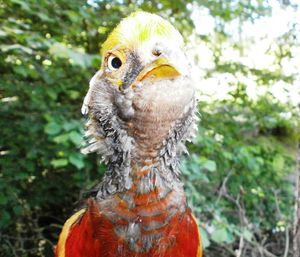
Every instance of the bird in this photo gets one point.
(141, 109)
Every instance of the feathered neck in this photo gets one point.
(142, 151)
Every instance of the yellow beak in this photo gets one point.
(159, 69)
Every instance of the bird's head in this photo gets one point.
(144, 79)
(143, 46)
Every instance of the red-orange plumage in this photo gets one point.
(92, 235)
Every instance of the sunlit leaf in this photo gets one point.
(75, 137)
(209, 165)
(204, 238)
(221, 235)
(58, 163)
(77, 160)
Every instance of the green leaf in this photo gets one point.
(23, 4)
(52, 94)
(52, 128)
(4, 218)
(75, 137)
(21, 70)
(58, 163)
(209, 165)
(247, 234)
(3, 33)
(204, 238)
(69, 125)
(77, 160)
(74, 94)
(6, 48)
(18, 209)
(221, 235)
(21, 176)
(278, 163)
(61, 139)
(3, 200)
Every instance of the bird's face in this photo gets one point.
(127, 67)
(144, 73)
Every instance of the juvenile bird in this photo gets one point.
(141, 107)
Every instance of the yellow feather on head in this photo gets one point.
(138, 28)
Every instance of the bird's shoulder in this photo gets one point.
(78, 233)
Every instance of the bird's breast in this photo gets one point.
(144, 218)
(150, 219)
(140, 225)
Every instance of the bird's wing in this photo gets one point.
(75, 218)
(77, 238)
(199, 251)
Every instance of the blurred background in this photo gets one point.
(240, 174)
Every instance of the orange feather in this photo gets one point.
(92, 235)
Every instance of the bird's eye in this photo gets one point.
(156, 52)
(114, 62)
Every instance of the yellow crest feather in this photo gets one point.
(138, 28)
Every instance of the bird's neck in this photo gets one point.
(144, 155)
(143, 171)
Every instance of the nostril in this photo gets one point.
(156, 52)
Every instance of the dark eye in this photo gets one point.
(114, 62)
(156, 52)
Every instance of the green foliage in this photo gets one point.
(240, 160)
(50, 49)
